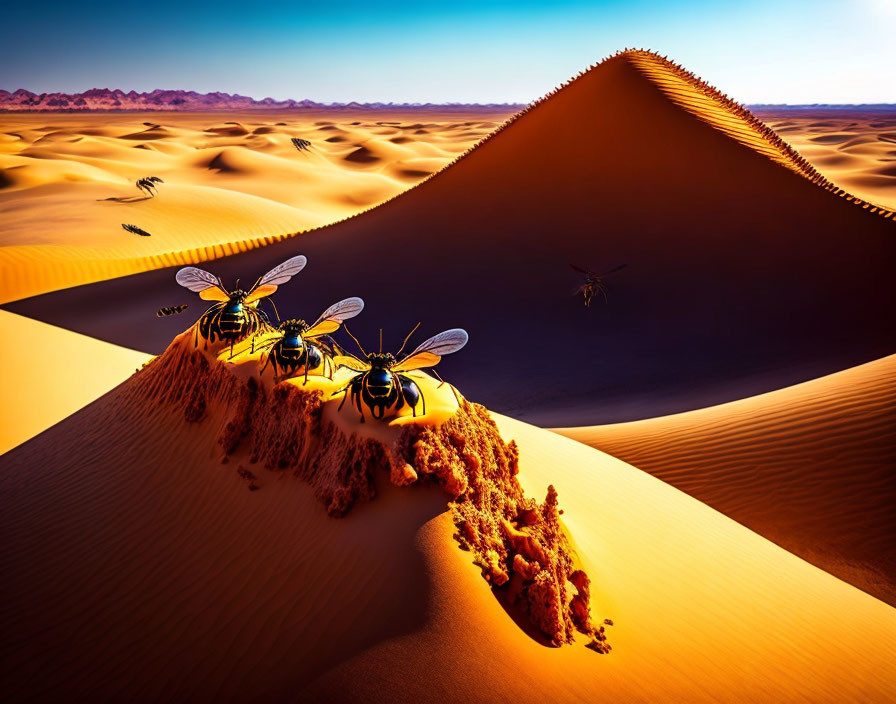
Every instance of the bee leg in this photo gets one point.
(344, 392)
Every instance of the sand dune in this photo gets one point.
(51, 373)
(733, 246)
(55, 182)
(138, 566)
(809, 467)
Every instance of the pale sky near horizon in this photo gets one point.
(756, 51)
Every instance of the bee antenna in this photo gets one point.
(345, 327)
(398, 354)
(276, 312)
(237, 284)
(381, 340)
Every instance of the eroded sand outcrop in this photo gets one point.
(518, 543)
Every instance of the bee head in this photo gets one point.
(379, 360)
(293, 327)
(238, 295)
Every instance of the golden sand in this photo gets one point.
(809, 467)
(231, 182)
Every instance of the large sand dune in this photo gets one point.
(137, 566)
(745, 271)
(810, 467)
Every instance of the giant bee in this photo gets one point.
(380, 384)
(293, 349)
(236, 315)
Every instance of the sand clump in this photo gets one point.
(518, 543)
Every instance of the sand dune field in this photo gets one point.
(231, 182)
(170, 534)
(739, 266)
(66, 180)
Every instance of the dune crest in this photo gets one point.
(518, 543)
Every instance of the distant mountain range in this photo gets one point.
(103, 99)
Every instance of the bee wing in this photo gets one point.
(156, 179)
(614, 269)
(334, 316)
(350, 362)
(430, 352)
(580, 270)
(207, 285)
(277, 276)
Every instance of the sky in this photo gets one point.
(756, 51)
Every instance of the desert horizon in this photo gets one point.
(590, 396)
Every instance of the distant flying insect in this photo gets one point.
(301, 144)
(593, 283)
(293, 350)
(235, 316)
(148, 185)
(136, 230)
(380, 384)
(171, 310)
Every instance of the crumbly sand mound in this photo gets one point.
(519, 543)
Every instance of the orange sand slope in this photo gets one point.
(138, 566)
(231, 182)
(47, 373)
(810, 467)
(732, 255)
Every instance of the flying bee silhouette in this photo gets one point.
(593, 283)
(235, 316)
(148, 185)
(171, 310)
(380, 383)
(293, 350)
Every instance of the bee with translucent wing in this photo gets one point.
(235, 315)
(381, 384)
(294, 350)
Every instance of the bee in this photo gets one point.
(593, 283)
(301, 144)
(148, 185)
(136, 230)
(294, 350)
(380, 383)
(171, 310)
(235, 316)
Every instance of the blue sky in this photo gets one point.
(756, 51)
